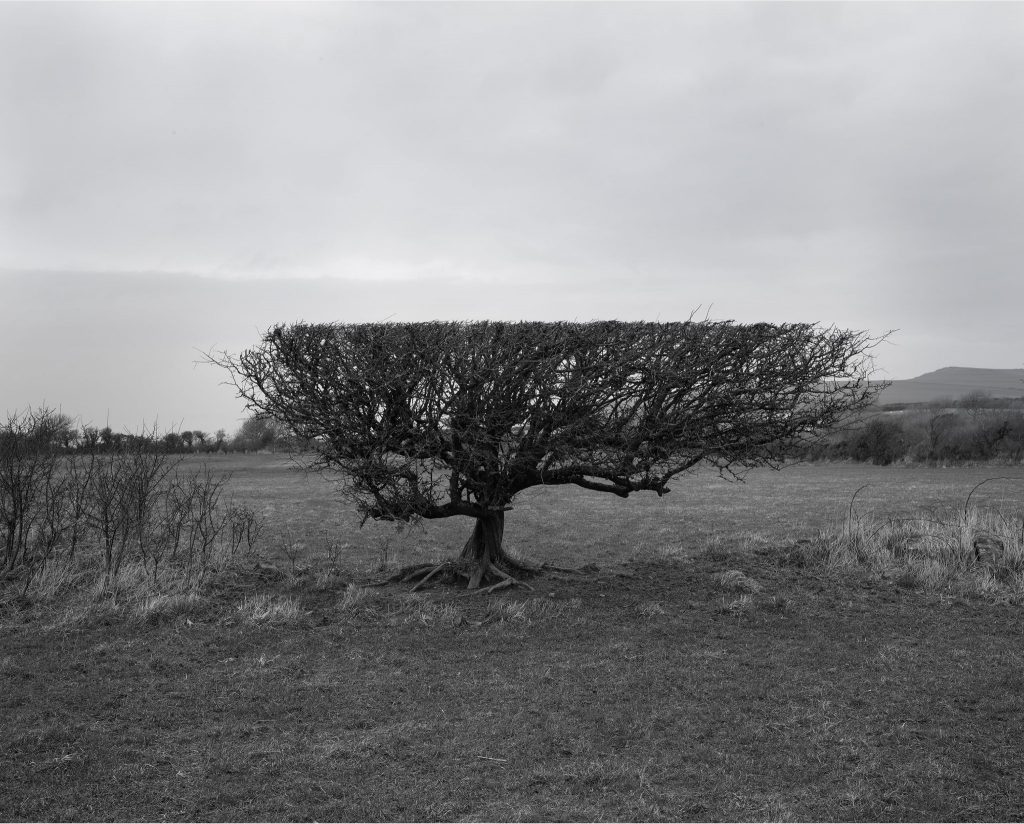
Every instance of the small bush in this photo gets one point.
(881, 441)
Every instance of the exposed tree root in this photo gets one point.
(431, 574)
(477, 577)
(409, 573)
(505, 582)
(480, 578)
(495, 587)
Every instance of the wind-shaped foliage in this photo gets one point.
(445, 418)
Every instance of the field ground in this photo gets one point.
(569, 526)
(650, 688)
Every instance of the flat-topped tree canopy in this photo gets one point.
(429, 420)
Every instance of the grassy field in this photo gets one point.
(663, 684)
(569, 526)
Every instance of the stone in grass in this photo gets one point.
(736, 581)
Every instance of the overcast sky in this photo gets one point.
(176, 178)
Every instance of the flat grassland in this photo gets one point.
(652, 687)
(569, 526)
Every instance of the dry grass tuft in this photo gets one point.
(356, 597)
(84, 610)
(329, 578)
(650, 609)
(734, 580)
(530, 610)
(279, 609)
(745, 603)
(164, 606)
(968, 551)
(58, 581)
(716, 548)
(419, 608)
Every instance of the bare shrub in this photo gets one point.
(205, 522)
(293, 549)
(143, 484)
(107, 513)
(70, 516)
(29, 460)
(80, 468)
(245, 528)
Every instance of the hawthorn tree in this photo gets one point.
(433, 420)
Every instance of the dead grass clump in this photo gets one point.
(165, 606)
(272, 609)
(57, 581)
(716, 549)
(552, 608)
(356, 597)
(329, 578)
(133, 583)
(509, 612)
(530, 610)
(84, 610)
(417, 608)
(735, 580)
(650, 609)
(969, 551)
(745, 603)
(751, 541)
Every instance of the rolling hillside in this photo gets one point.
(954, 382)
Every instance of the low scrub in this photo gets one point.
(67, 515)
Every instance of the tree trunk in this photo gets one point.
(484, 549)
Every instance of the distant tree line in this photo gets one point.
(61, 433)
(975, 427)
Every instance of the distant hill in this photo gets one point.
(954, 382)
